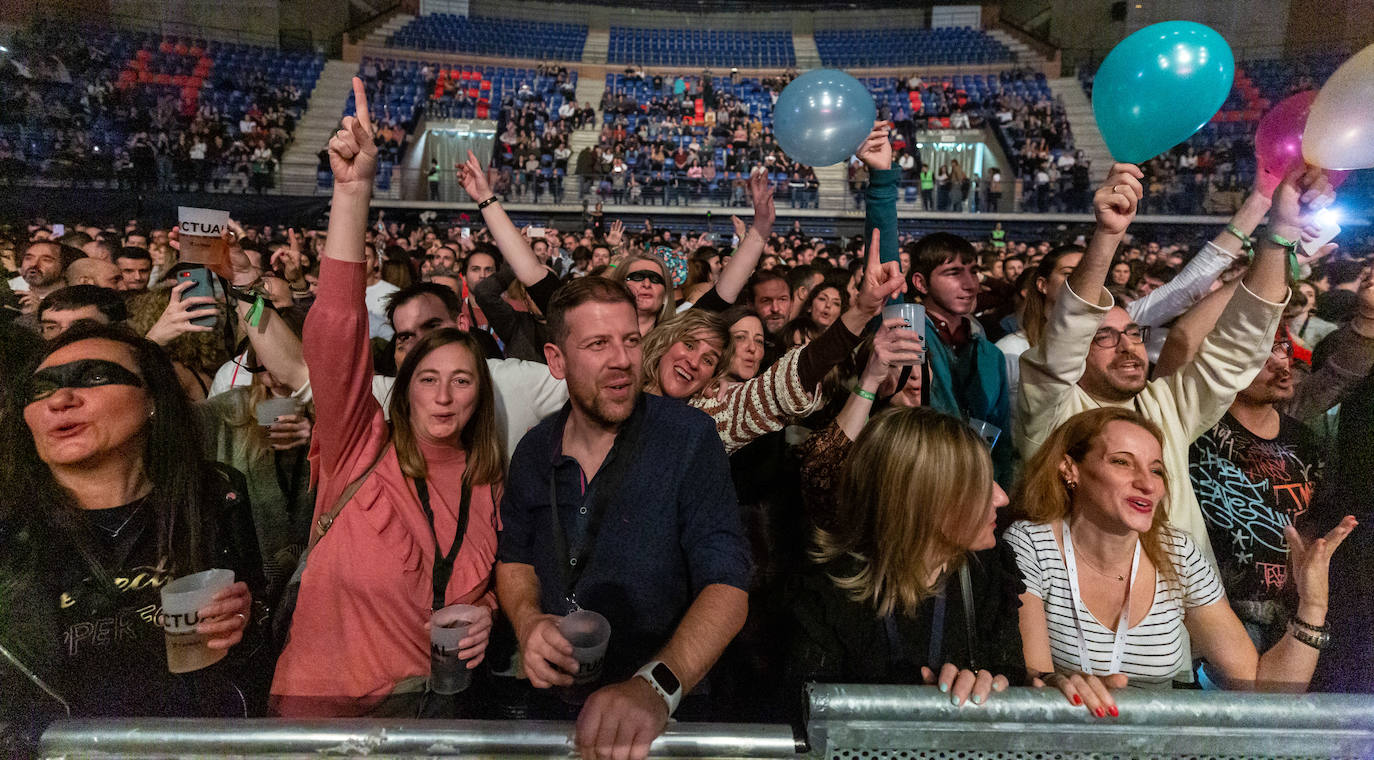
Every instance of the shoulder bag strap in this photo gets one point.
(325, 520)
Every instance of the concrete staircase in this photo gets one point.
(316, 126)
(390, 27)
(808, 56)
(590, 87)
(834, 185)
(597, 44)
(1022, 52)
(1085, 135)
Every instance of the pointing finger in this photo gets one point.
(360, 103)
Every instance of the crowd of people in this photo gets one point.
(1098, 464)
(66, 115)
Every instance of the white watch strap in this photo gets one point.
(647, 673)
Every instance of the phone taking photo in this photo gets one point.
(204, 286)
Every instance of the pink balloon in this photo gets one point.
(1278, 141)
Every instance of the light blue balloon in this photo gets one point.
(1159, 86)
(823, 116)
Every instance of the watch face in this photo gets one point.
(664, 675)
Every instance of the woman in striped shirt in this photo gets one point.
(1094, 546)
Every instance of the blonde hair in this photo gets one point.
(667, 309)
(693, 323)
(912, 497)
(1043, 497)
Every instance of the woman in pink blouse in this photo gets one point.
(359, 640)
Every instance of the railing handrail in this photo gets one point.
(351, 32)
(195, 736)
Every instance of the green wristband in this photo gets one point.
(1294, 269)
(861, 393)
(1247, 243)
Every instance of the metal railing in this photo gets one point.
(904, 723)
(844, 722)
(190, 738)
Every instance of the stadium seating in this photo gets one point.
(699, 47)
(907, 47)
(492, 36)
(212, 85)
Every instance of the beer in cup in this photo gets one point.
(182, 600)
(202, 237)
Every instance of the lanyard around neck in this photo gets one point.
(1122, 623)
(443, 563)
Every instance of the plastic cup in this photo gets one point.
(202, 236)
(269, 409)
(589, 633)
(913, 314)
(182, 600)
(447, 673)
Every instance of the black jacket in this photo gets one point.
(69, 636)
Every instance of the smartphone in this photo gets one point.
(204, 286)
(1327, 232)
(58, 230)
(536, 232)
(466, 232)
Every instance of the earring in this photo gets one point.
(1072, 484)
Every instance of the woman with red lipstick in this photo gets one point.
(1113, 594)
(406, 517)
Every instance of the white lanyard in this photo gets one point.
(1119, 647)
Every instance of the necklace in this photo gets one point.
(115, 533)
(1092, 567)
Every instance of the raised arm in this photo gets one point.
(1302, 193)
(353, 159)
(514, 247)
(880, 198)
(1114, 204)
(742, 264)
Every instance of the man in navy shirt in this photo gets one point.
(645, 529)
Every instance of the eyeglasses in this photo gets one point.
(1110, 337)
(1282, 350)
(643, 275)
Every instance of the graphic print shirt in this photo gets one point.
(1250, 489)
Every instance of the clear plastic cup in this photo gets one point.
(589, 633)
(182, 600)
(913, 314)
(447, 673)
(269, 409)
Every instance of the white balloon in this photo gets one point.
(1340, 126)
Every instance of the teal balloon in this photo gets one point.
(822, 117)
(1159, 86)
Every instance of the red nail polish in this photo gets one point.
(1115, 712)
(1077, 699)
(1099, 712)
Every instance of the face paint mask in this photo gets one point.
(82, 373)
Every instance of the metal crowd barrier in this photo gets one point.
(845, 722)
(901, 723)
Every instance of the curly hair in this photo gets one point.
(693, 323)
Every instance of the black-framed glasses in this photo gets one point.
(644, 274)
(1282, 349)
(1110, 337)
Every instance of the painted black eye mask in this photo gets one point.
(82, 373)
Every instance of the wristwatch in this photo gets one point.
(661, 677)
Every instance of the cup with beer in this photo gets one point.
(182, 600)
(202, 238)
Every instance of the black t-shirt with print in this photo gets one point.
(94, 637)
(1250, 489)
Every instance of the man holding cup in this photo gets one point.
(644, 530)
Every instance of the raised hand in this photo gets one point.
(1310, 561)
(352, 155)
(473, 178)
(176, 318)
(1115, 203)
(761, 194)
(876, 149)
(894, 345)
(616, 235)
(741, 229)
(1301, 193)
(882, 280)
